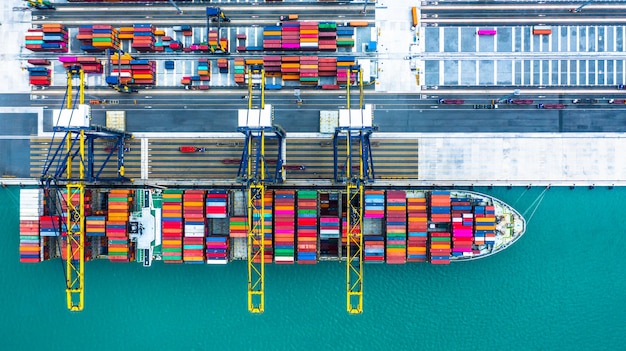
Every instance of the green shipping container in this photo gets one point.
(102, 40)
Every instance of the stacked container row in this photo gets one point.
(204, 69)
(143, 37)
(307, 226)
(345, 36)
(217, 204)
(284, 226)
(269, 251)
(417, 229)
(117, 225)
(290, 67)
(309, 37)
(194, 230)
(238, 227)
(485, 225)
(222, 65)
(95, 226)
(309, 66)
(143, 72)
(272, 66)
(98, 37)
(172, 226)
(462, 227)
(51, 37)
(217, 248)
(39, 76)
(328, 67)
(329, 224)
(216, 208)
(374, 210)
(240, 70)
(128, 71)
(87, 63)
(396, 227)
(31, 210)
(327, 36)
(272, 38)
(440, 248)
(343, 70)
(440, 243)
(440, 206)
(290, 33)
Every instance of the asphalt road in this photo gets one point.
(194, 14)
(394, 113)
(531, 12)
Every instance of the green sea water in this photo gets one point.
(561, 287)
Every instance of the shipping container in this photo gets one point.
(486, 32)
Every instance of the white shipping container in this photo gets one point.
(283, 259)
(116, 120)
(329, 120)
(217, 261)
(31, 203)
(216, 215)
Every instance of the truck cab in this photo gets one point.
(292, 17)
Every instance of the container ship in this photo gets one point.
(203, 226)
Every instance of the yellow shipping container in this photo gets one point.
(440, 246)
(291, 76)
(194, 203)
(171, 242)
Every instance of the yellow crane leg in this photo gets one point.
(256, 231)
(75, 245)
(354, 256)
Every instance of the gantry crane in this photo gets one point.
(115, 82)
(40, 4)
(215, 14)
(76, 150)
(257, 126)
(355, 126)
